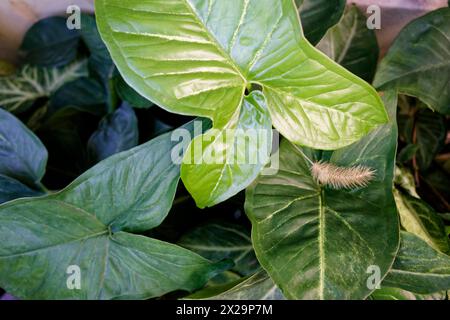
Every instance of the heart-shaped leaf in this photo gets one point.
(418, 63)
(80, 228)
(318, 243)
(23, 157)
(418, 267)
(180, 55)
(351, 44)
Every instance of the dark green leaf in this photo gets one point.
(49, 43)
(11, 189)
(219, 241)
(318, 16)
(22, 155)
(128, 94)
(257, 287)
(351, 44)
(418, 218)
(418, 63)
(418, 267)
(85, 94)
(117, 132)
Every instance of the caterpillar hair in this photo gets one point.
(341, 177)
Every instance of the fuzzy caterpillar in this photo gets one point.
(341, 177)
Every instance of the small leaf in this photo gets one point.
(49, 43)
(19, 91)
(22, 155)
(128, 94)
(11, 189)
(418, 218)
(257, 287)
(351, 44)
(117, 132)
(418, 267)
(223, 162)
(219, 241)
(418, 63)
(318, 16)
(85, 94)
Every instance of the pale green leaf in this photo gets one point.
(181, 55)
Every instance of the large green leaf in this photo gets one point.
(181, 55)
(257, 287)
(22, 155)
(418, 63)
(147, 173)
(351, 44)
(419, 218)
(318, 16)
(229, 159)
(49, 43)
(117, 132)
(219, 241)
(19, 91)
(318, 243)
(399, 294)
(418, 267)
(82, 226)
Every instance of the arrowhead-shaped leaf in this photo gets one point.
(82, 226)
(318, 243)
(180, 55)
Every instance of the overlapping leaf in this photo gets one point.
(82, 226)
(318, 243)
(418, 63)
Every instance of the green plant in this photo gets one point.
(88, 177)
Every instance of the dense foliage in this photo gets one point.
(361, 192)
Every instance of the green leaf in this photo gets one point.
(82, 226)
(418, 63)
(6, 68)
(19, 91)
(117, 132)
(418, 267)
(318, 16)
(431, 133)
(257, 287)
(316, 242)
(181, 56)
(399, 294)
(43, 237)
(128, 94)
(405, 179)
(85, 94)
(221, 163)
(147, 173)
(22, 155)
(351, 44)
(418, 218)
(219, 241)
(11, 189)
(49, 43)
(99, 61)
